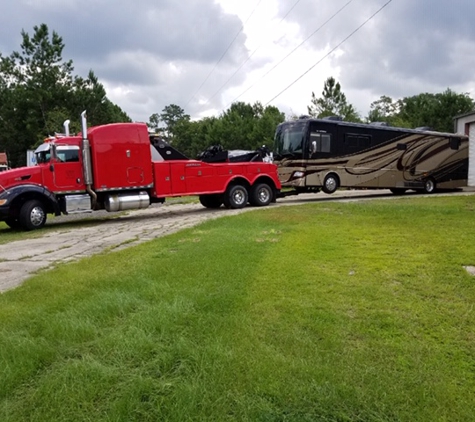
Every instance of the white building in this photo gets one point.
(465, 124)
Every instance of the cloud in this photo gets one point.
(203, 54)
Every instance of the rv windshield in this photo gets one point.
(289, 139)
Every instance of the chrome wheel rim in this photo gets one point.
(330, 184)
(239, 197)
(263, 195)
(37, 216)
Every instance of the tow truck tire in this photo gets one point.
(235, 197)
(330, 184)
(32, 215)
(211, 201)
(261, 195)
(13, 223)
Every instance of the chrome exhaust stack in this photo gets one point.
(66, 127)
(86, 159)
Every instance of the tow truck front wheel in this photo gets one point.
(13, 223)
(235, 197)
(32, 215)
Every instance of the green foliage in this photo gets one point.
(324, 312)
(431, 110)
(242, 126)
(435, 110)
(332, 103)
(38, 90)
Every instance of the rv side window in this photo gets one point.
(320, 142)
(356, 142)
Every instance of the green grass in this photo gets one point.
(324, 312)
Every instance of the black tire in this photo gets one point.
(261, 195)
(330, 184)
(398, 191)
(429, 185)
(235, 197)
(211, 201)
(32, 215)
(13, 223)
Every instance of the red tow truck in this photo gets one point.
(119, 167)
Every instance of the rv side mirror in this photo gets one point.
(454, 143)
(402, 147)
(313, 147)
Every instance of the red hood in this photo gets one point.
(21, 176)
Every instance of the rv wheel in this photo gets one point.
(429, 186)
(331, 183)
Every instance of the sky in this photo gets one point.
(203, 55)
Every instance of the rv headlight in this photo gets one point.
(3, 202)
(299, 174)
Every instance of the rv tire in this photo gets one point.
(429, 185)
(330, 184)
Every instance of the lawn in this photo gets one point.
(323, 312)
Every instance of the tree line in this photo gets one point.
(38, 92)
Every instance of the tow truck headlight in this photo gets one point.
(3, 202)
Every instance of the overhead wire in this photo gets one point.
(224, 54)
(249, 57)
(331, 51)
(295, 49)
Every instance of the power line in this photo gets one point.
(330, 52)
(222, 56)
(249, 57)
(295, 49)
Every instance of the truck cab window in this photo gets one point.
(69, 154)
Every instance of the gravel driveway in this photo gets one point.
(20, 259)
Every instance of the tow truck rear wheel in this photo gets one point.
(235, 197)
(32, 215)
(211, 201)
(261, 195)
